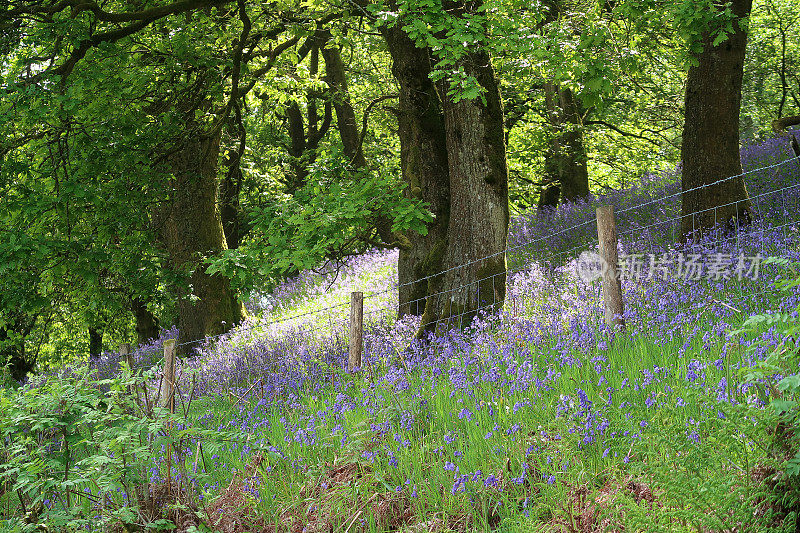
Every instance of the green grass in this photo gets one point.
(717, 465)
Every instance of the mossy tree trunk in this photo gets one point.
(146, 321)
(475, 259)
(551, 191)
(710, 149)
(297, 148)
(192, 231)
(565, 160)
(453, 156)
(423, 159)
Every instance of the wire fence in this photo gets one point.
(775, 216)
(632, 232)
(650, 228)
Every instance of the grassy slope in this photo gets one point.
(539, 419)
(515, 427)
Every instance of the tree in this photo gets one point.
(146, 323)
(424, 164)
(713, 188)
(191, 229)
(471, 254)
(168, 91)
(351, 138)
(566, 159)
(305, 135)
(337, 198)
(566, 172)
(770, 92)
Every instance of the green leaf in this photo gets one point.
(783, 406)
(790, 384)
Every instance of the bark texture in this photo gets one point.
(192, 231)
(146, 323)
(297, 148)
(565, 160)
(478, 223)
(710, 149)
(423, 160)
(453, 156)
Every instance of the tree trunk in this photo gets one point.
(146, 323)
(573, 169)
(565, 160)
(423, 160)
(229, 189)
(303, 144)
(548, 198)
(192, 231)
(710, 149)
(12, 352)
(95, 345)
(345, 114)
(780, 124)
(475, 260)
(297, 147)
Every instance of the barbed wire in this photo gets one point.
(707, 185)
(260, 325)
(592, 220)
(680, 217)
(510, 249)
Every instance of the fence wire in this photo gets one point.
(629, 233)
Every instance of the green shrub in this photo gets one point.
(78, 454)
(777, 379)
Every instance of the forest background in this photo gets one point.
(162, 162)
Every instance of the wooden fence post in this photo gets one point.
(356, 330)
(125, 351)
(167, 393)
(612, 286)
(167, 397)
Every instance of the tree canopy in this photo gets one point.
(161, 161)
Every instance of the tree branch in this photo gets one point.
(139, 19)
(620, 131)
(365, 118)
(79, 6)
(780, 124)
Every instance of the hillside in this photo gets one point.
(538, 417)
